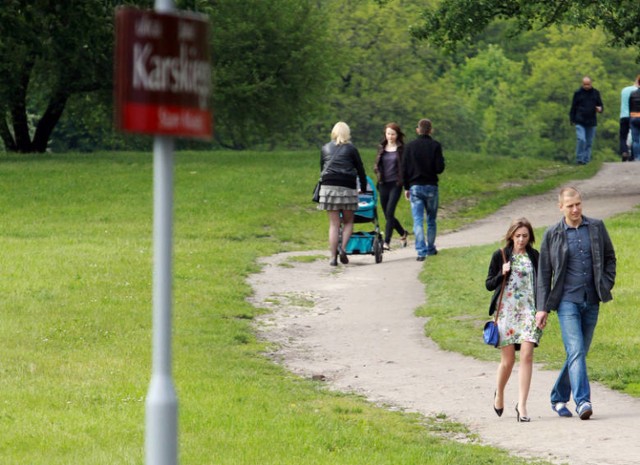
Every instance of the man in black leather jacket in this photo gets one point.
(576, 272)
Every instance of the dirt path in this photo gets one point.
(361, 334)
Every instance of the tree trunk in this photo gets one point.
(49, 120)
(5, 133)
(18, 109)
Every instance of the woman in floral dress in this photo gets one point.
(516, 319)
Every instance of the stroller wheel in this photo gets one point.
(377, 249)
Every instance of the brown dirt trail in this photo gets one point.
(361, 334)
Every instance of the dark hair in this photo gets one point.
(515, 225)
(396, 128)
(424, 126)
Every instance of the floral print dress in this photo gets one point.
(517, 318)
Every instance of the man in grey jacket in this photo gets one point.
(576, 272)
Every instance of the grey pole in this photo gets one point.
(161, 428)
(161, 440)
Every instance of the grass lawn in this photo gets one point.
(75, 343)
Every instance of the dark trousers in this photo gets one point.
(623, 134)
(389, 195)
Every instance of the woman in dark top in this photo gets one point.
(517, 318)
(340, 167)
(388, 170)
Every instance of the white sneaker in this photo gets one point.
(585, 410)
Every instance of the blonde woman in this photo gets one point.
(340, 168)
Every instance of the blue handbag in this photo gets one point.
(490, 333)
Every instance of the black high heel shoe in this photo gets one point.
(497, 410)
(521, 418)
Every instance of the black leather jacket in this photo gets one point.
(634, 101)
(495, 276)
(583, 107)
(553, 264)
(341, 165)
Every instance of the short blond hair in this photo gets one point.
(341, 134)
(569, 191)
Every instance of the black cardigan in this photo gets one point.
(495, 277)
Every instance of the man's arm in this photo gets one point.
(600, 105)
(543, 281)
(439, 159)
(608, 258)
(572, 111)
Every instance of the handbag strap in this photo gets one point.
(504, 281)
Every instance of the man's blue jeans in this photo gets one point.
(584, 136)
(424, 198)
(634, 124)
(577, 323)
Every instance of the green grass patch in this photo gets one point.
(75, 339)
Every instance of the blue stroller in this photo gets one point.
(366, 242)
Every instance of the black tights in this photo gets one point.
(390, 193)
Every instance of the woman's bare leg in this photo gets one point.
(524, 375)
(507, 360)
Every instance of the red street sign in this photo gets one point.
(163, 73)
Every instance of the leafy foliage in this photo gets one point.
(496, 77)
(270, 62)
(272, 65)
(456, 21)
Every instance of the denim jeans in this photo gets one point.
(584, 136)
(577, 323)
(424, 199)
(634, 123)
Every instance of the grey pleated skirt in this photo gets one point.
(338, 198)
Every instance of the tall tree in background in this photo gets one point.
(49, 50)
(271, 69)
(272, 65)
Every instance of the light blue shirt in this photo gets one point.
(624, 101)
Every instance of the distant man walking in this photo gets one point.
(584, 107)
(423, 162)
(576, 271)
(624, 119)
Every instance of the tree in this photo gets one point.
(49, 50)
(456, 21)
(384, 74)
(271, 68)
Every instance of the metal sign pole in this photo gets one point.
(176, 46)
(161, 441)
